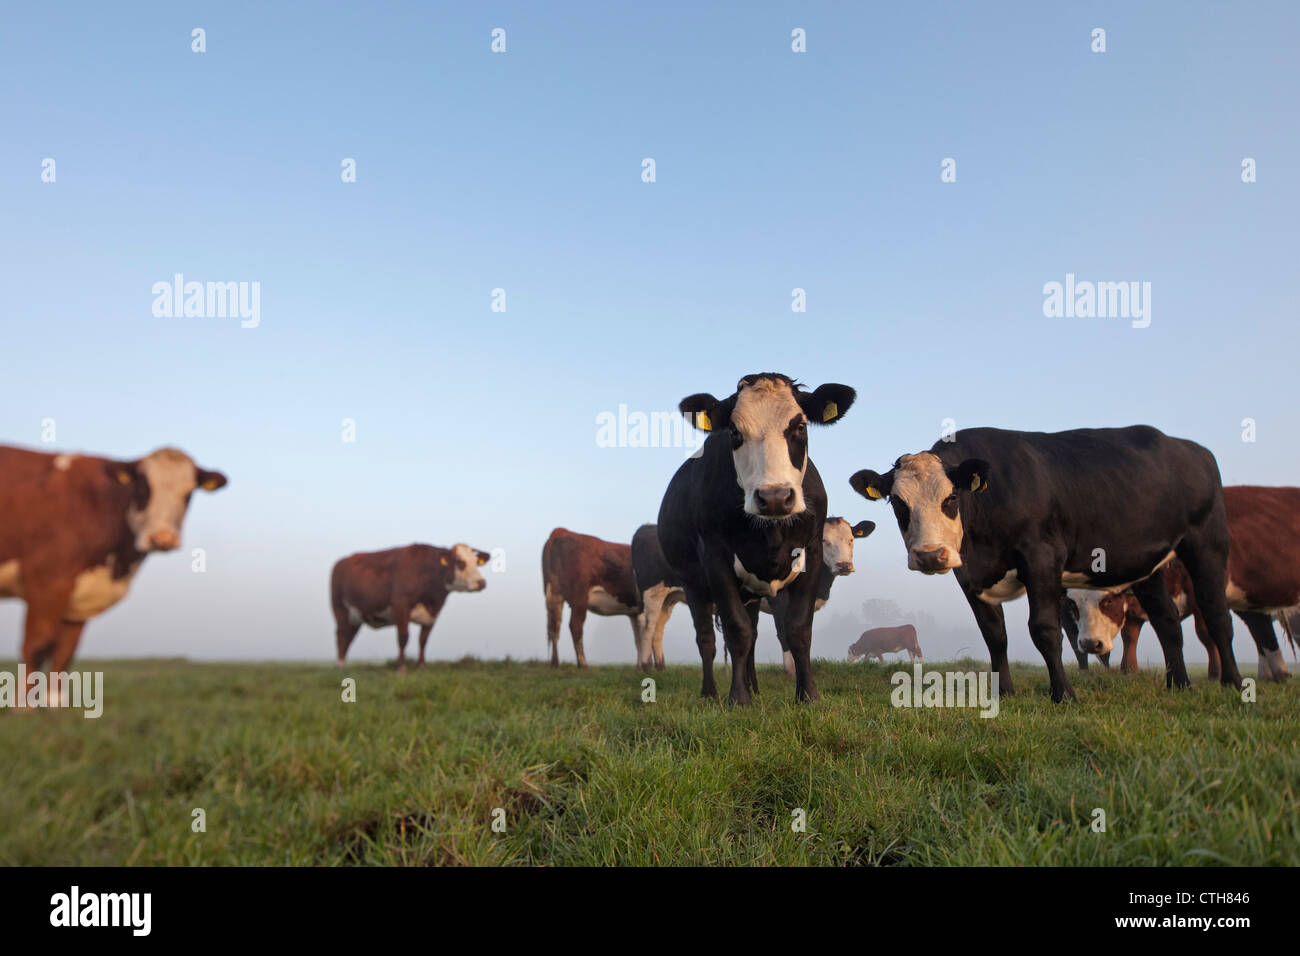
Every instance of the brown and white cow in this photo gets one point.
(878, 641)
(74, 530)
(1263, 579)
(588, 574)
(398, 587)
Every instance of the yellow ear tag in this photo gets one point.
(482, 561)
(211, 485)
(702, 422)
(873, 493)
(444, 560)
(830, 412)
(123, 478)
(974, 482)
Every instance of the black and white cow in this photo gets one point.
(661, 591)
(743, 520)
(1034, 512)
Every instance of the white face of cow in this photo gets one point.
(767, 421)
(770, 448)
(837, 543)
(465, 568)
(926, 498)
(161, 485)
(1101, 615)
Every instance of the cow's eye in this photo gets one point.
(737, 439)
(901, 512)
(460, 565)
(949, 505)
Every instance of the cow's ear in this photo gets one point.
(827, 404)
(122, 472)
(703, 411)
(870, 484)
(973, 474)
(863, 528)
(483, 557)
(209, 480)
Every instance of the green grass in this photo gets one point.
(588, 774)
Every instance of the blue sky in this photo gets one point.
(522, 171)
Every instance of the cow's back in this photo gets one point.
(574, 564)
(366, 580)
(1075, 481)
(649, 566)
(60, 507)
(1264, 560)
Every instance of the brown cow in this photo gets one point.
(588, 574)
(878, 641)
(1263, 578)
(398, 586)
(74, 530)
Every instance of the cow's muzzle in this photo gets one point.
(1090, 645)
(774, 501)
(931, 560)
(843, 567)
(164, 541)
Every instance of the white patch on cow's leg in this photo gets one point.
(787, 661)
(11, 579)
(340, 663)
(1276, 665)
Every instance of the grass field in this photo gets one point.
(287, 773)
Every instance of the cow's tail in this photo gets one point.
(1286, 629)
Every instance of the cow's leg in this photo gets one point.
(424, 639)
(554, 614)
(780, 607)
(1044, 593)
(345, 629)
(577, 619)
(402, 618)
(652, 608)
(1205, 557)
(65, 645)
(751, 675)
(657, 639)
(702, 618)
(798, 635)
(1128, 663)
(43, 623)
(1163, 615)
(1213, 668)
(1271, 664)
(993, 627)
(639, 640)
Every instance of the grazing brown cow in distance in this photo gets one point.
(878, 641)
(397, 587)
(74, 530)
(588, 574)
(1263, 578)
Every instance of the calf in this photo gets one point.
(74, 530)
(399, 586)
(661, 591)
(878, 641)
(588, 574)
(742, 521)
(1263, 578)
(1031, 512)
